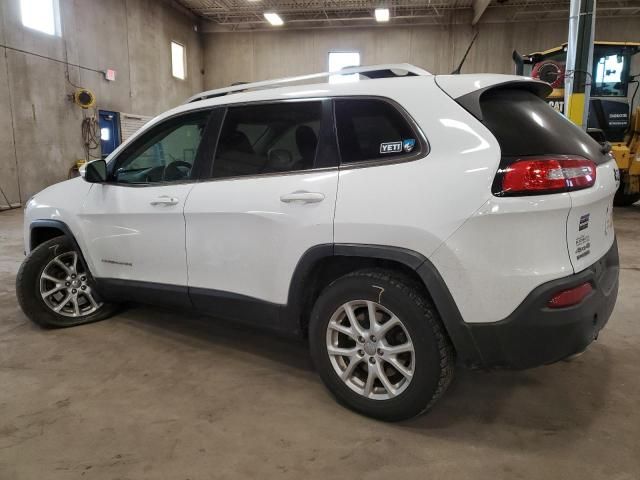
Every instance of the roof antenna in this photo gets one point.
(457, 70)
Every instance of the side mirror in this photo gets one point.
(94, 172)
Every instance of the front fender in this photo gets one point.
(60, 203)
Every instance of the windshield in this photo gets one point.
(610, 72)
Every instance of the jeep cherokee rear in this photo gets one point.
(396, 222)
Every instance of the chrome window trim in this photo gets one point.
(270, 174)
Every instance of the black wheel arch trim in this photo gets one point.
(55, 224)
(457, 329)
(66, 232)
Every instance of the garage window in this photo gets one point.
(370, 129)
(178, 61)
(41, 15)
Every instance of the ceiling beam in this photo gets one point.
(479, 6)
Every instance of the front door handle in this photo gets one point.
(302, 196)
(164, 200)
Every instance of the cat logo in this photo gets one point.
(557, 105)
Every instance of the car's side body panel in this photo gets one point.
(132, 238)
(402, 204)
(242, 238)
(61, 202)
(505, 250)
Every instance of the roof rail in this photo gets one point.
(371, 71)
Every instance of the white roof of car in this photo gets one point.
(396, 69)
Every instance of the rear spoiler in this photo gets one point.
(471, 100)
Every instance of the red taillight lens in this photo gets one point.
(573, 296)
(546, 174)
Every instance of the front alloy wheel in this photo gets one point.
(65, 287)
(54, 288)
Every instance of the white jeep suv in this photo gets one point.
(398, 222)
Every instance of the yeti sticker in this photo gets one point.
(391, 147)
(408, 144)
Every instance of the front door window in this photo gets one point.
(165, 154)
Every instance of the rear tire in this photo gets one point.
(406, 383)
(55, 290)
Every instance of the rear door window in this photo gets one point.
(268, 138)
(373, 129)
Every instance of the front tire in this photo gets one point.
(379, 346)
(55, 290)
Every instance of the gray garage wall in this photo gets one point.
(40, 135)
(233, 57)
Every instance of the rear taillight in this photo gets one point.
(572, 296)
(544, 174)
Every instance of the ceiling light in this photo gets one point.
(274, 19)
(382, 14)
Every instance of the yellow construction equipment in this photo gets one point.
(611, 115)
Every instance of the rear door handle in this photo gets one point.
(302, 196)
(164, 200)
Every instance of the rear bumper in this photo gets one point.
(535, 335)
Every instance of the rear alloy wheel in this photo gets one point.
(379, 346)
(370, 349)
(55, 289)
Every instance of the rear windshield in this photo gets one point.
(524, 124)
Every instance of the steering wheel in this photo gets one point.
(154, 175)
(174, 171)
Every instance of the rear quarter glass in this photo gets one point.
(524, 125)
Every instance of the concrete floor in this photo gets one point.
(153, 394)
